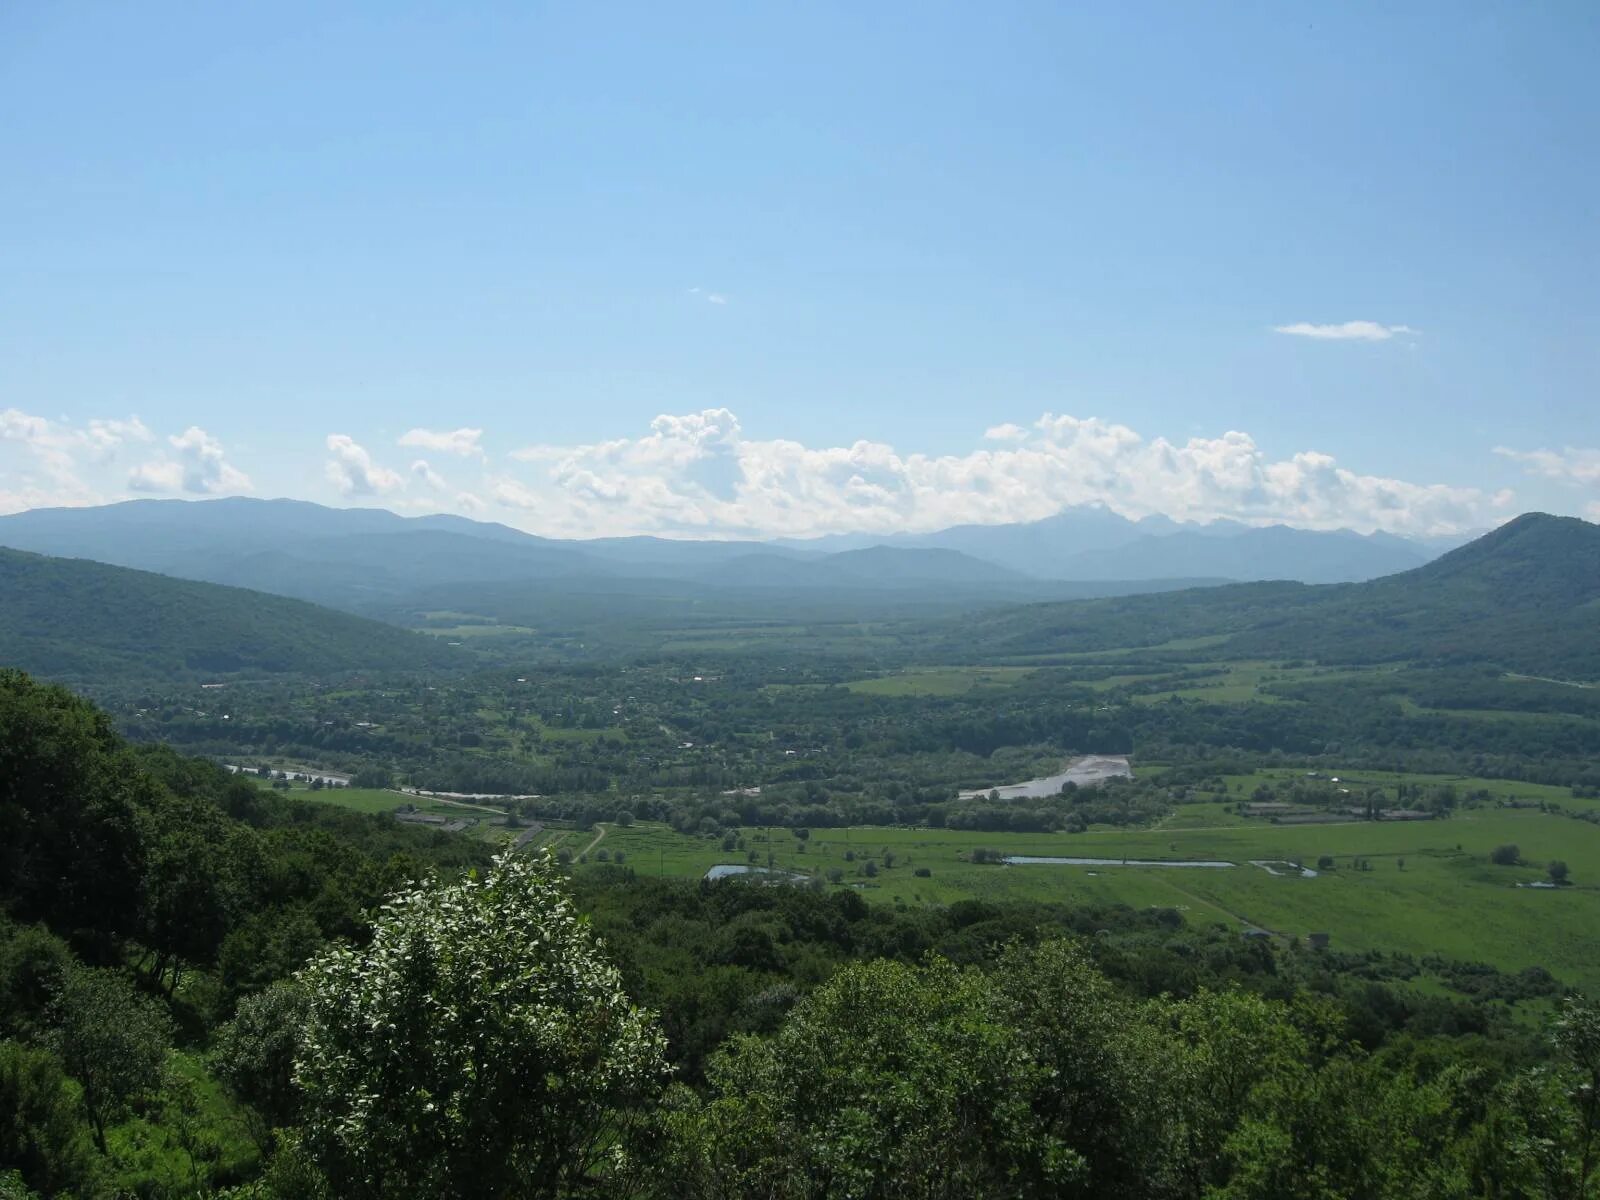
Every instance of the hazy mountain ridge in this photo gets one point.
(1091, 542)
(358, 558)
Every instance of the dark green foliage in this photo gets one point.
(1522, 598)
(42, 1132)
(253, 1057)
(74, 619)
(33, 966)
(111, 1039)
(70, 804)
(1505, 856)
(887, 1080)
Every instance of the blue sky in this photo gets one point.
(718, 269)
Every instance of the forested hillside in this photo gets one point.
(79, 620)
(200, 992)
(1525, 597)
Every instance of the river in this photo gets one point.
(1085, 772)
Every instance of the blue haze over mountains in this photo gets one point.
(371, 559)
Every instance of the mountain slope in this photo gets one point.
(1524, 597)
(74, 619)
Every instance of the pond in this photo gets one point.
(729, 870)
(1029, 860)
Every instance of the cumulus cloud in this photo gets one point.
(199, 467)
(49, 444)
(1360, 331)
(105, 436)
(53, 454)
(354, 473)
(1569, 465)
(709, 297)
(698, 473)
(464, 442)
(423, 473)
(158, 475)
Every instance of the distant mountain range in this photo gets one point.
(372, 560)
(1525, 597)
(1093, 543)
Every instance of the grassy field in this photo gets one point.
(1361, 780)
(1430, 887)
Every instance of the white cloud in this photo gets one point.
(1005, 433)
(423, 473)
(49, 444)
(353, 472)
(55, 449)
(1362, 331)
(709, 297)
(1571, 464)
(158, 475)
(464, 442)
(200, 467)
(697, 473)
(106, 436)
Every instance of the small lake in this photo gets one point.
(1030, 860)
(1085, 772)
(729, 870)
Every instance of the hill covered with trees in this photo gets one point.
(80, 620)
(1525, 597)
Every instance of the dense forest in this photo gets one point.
(1521, 598)
(211, 988)
(90, 622)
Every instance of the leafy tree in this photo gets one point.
(1559, 871)
(480, 1045)
(372, 777)
(33, 964)
(1508, 855)
(1555, 1110)
(1098, 1093)
(42, 1134)
(254, 1057)
(111, 1039)
(70, 848)
(889, 1080)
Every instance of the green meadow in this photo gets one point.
(1427, 888)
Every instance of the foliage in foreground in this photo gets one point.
(480, 1045)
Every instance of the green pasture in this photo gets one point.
(1359, 780)
(1430, 887)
